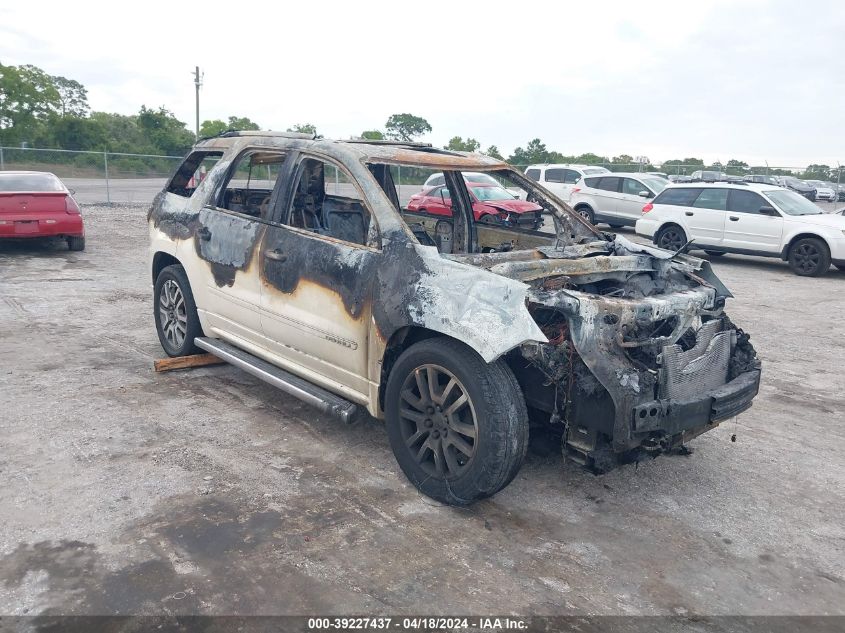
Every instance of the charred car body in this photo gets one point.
(294, 259)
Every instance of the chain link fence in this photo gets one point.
(120, 178)
(97, 177)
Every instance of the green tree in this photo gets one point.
(817, 172)
(681, 166)
(28, 96)
(458, 144)
(493, 152)
(406, 127)
(534, 152)
(243, 123)
(73, 97)
(212, 127)
(373, 135)
(165, 132)
(304, 128)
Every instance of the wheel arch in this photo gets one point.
(666, 225)
(162, 260)
(784, 254)
(398, 342)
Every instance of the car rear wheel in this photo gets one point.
(714, 253)
(458, 426)
(671, 237)
(809, 257)
(76, 243)
(587, 213)
(488, 218)
(175, 312)
(616, 226)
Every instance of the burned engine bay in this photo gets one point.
(640, 355)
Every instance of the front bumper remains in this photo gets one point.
(674, 416)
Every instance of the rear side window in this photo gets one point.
(533, 174)
(30, 182)
(716, 199)
(591, 182)
(570, 176)
(744, 201)
(682, 197)
(192, 172)
(609, 183)
(555, 175)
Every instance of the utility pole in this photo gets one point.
(197, 84)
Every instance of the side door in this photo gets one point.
(746, 228)
(317, 264)
(553, 180)
(229, 230)
(630, 204)
(606, 195)
(706, 216)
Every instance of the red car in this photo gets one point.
(37, 204)
(491, 204)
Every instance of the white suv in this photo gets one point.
(559, 179)
(746, 218)
(616, 199)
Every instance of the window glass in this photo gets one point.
(792, 203)
(491, 193)
(437, 180)
(192, 172)
(533, 174)
(591, 182)
(251, 183)
(30, 182)
(681, 197)
(570, 176)
(632, 187)
(555, 175)
(609, 183)
(656, 184)
(744, 201)
(596, 170)
(476, 177)
(716, 199)
(327, 201)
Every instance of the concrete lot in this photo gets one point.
(206, 491)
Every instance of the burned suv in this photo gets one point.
(295, 259)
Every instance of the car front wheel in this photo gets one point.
(671, 238)
(809, 257)
(458, 426)
(175, 312)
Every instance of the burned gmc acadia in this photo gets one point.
(296, 259)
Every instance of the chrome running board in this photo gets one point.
(295, 386)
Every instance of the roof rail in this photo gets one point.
(384, 141)
(231, 133)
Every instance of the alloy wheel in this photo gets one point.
(807, 258)
(437, 421)
(173, 313)
(671, 240)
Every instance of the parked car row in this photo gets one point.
(811, 189)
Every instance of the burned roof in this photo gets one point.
(373, 151)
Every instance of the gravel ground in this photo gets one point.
(206, 491)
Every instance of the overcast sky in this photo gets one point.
(716, 80)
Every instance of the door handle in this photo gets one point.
(688, 213)
(276, 255)
(733, 218)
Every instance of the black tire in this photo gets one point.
(76, 243)
(170, 342)
(671, 237)
(809, 257)
(587, 213)
(495, 406)
(616, 226)
(714, 253)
